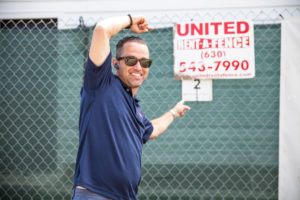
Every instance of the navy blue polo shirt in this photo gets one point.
(112, 131)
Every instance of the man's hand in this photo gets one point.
(140, 25)
(179, 109)
(162, 123)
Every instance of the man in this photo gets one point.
(112, 125)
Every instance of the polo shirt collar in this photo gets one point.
(128, 90)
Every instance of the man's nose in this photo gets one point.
(138, 65)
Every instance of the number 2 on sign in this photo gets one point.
(197, 87)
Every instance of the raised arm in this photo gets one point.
(108, 28)
(162, 123)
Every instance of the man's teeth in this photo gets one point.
(136, 74)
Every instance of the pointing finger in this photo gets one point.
(187, 108)
(150, 28)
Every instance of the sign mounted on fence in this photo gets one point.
(214, 50)
(197, 90)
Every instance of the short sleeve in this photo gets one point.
(97, 76)
(148, 130)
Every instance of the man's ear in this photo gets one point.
(115, 64)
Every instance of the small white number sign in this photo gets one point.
(197, 90)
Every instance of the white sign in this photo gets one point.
(197, 90)
(214, 50)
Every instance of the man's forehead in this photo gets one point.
(135, 47)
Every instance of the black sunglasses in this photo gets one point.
(131, 61)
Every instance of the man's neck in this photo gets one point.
(134, 91)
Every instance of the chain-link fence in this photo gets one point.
(224, 149)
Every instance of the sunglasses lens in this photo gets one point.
(145, 63)
(131, 61)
